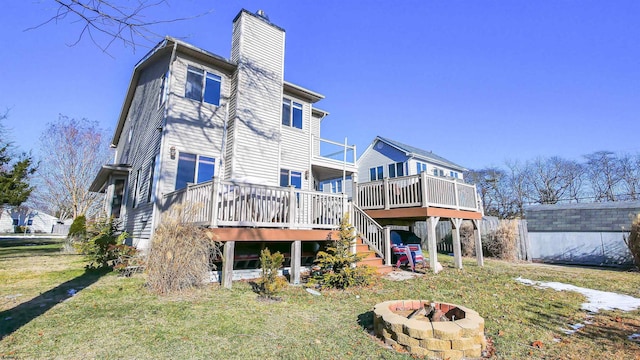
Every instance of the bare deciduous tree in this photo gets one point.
(552, 179)
(630, 176)
(109, 21)
(72, 153)
(603, 174)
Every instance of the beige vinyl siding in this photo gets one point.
(295, 150)
(144, 119)
(258, 49)
(192, 126)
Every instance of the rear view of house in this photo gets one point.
(234, 138)
(190, 115)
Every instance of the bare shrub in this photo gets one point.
(182, 253)
(501, 243)
(633, 240)
(467, 239)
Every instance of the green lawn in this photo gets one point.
(113, 317)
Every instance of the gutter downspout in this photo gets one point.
(155, 215)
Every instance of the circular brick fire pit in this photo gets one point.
(430, 329)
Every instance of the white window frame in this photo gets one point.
(377, 172)
(196, 171)
(420, 167)
(205, 75)
(293, 105)
(395, 166)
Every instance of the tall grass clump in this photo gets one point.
(501, 243)
(633, 240)
(181, 254)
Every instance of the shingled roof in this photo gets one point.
(421, 154)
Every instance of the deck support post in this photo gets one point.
(457, 248)
(476, 231)
(387, 245)
(227, 263)
(385, 186)
(354, 190)
(296, 262)
(213, 213)
(432, 222)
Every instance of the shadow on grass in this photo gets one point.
(5, 243)
(13, 319)
(365, 320)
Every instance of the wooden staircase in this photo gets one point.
(371, 258)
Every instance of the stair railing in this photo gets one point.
(377, 237)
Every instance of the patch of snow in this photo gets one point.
(577, 326)
(567, 331)
(597, 300)
(72, 292)
(634, 337)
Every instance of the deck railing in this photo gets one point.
(333, 151)
(417, 190)
(226, 203)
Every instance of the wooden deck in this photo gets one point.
(250, 212)
(418, 191)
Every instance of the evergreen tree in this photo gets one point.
(14, 173)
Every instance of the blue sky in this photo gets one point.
(477, 82)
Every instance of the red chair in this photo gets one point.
(408, 255)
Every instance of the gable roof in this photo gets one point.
(420, 154)
(170, 45)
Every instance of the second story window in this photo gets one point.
(453, 174)
(291, 113)
(438, 172)
(396, 170)
(375, 173)
(203, 86)
(421, 167)
(194, 169)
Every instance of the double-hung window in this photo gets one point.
(438, 172)
(376, 173)
(396, 170)
(453, 174)
(291, 178)
(291, 113)
(203, 86)
(194, 169)
(421, 167)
